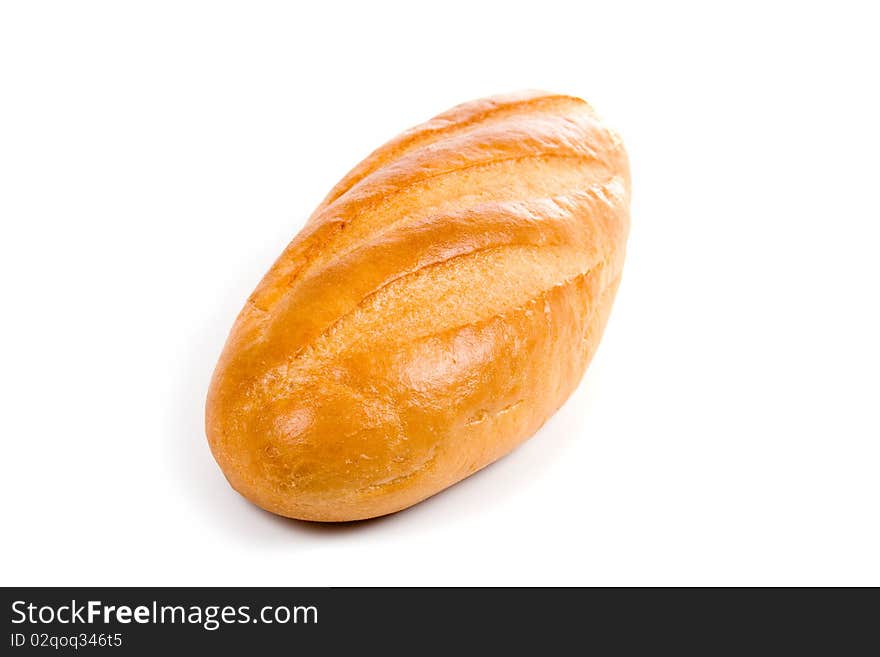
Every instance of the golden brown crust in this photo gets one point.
(440, 304)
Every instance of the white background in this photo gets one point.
(156, 157)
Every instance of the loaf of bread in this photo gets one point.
(439, 305)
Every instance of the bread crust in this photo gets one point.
(439, 305)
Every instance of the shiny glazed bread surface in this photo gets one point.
(439, 305)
